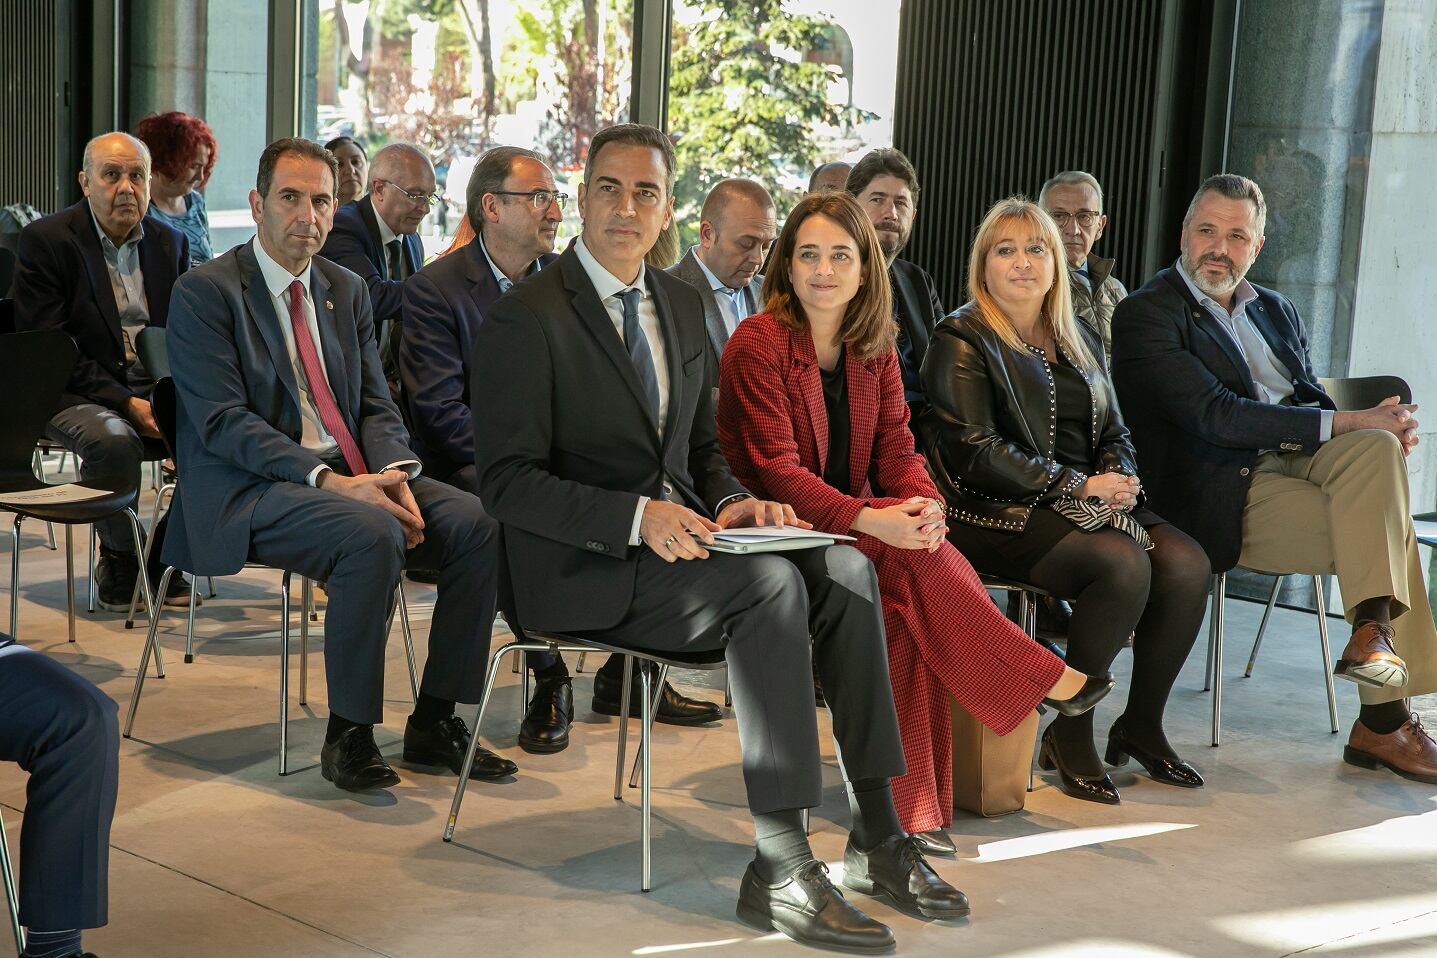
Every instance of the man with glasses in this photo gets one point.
(377, 237)
(1074, 200)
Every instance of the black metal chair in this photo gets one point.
(37, 365)
(8, 261)
(1361, 392)
(166, 409)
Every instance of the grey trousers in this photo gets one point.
(762, 610)
(358, 551)
(62, 730)
(108, 448)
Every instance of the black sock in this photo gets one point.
(780, 844)
(875, 819)
(430, 711)
(554, 670)
(1384, 718)
(338, 725)
(52, 944)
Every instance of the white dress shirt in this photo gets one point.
(728, 299)
(1272, 379)
(313, 435)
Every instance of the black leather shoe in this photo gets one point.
(177, 594)
(425, 576)
(807, 908)
(674, 709)
(936, 842)
(546, 724)
(1169, 771)
(1088, 696)
(444, 744)
(1099, 789)
(353, 763)
(896, 872)
(115, 575)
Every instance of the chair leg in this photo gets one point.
(491, 674)
(305, 597)
(1211, 632)
(50, 536)
(149, 593)
(190, 622)
(152, 645)
(145, 556)
(1317, 586)
(284, 675)
(12, 893)
(1262, 626)
(579, 668)
(15, 578)
(213, 591)
(90, 601)
(38, 467)
(409, 643)
(646, 727)
(727, 689)
(658, 691)
(626, 689)
(1219, 597)
(70, 580)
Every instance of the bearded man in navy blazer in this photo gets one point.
(1240, 447)
(101, 271)
(295, 457)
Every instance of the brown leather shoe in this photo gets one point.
(1409, 751)
(1369, 658)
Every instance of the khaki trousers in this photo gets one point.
(1345, 510)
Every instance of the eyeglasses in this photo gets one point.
(541, 199)
(1085, 218)
(428, 199)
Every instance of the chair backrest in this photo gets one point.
(1364, 392)
(7, 316)
(150, 347)
(34, 366)
(7, 270)
(164, 403)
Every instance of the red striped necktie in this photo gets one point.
(319, 389)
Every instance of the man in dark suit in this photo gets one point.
(101, 271)
(1239, 446)
(595, 442)
(295, 456)
(737, 228)
(377, 236)
(60, 729)
(886, 186)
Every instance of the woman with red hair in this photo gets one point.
(182, 155)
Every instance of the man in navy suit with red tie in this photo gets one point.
(294, 456)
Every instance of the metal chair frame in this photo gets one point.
(650, 688)
(1213, 677)
(152, 645)
(12, 894)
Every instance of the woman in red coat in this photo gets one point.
(811, 412)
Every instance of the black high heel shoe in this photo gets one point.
(1169, 771)
(1089, 695)
(1100, 789)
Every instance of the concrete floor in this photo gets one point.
(1286, 851)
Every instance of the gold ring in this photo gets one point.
(670, 541)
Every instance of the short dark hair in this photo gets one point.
(339, 141)
(634, 134)
(823, 168)
(882, 162)
(1234, 187)
(488, 177)
(300, 147)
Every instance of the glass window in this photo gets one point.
(773, 88)
(456, 77)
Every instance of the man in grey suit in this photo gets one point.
(738, 226)
(294, 456)
(596, 447)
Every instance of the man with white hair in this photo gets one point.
(1241, 448)
(1074, 200)
(101, 271)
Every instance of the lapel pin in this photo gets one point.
(328, 304)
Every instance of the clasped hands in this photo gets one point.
(387, 490)
(676, 532)
(1391, 415)
(1116, 490)
(916, 523)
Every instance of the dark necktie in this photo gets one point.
(396, 259)
(319, 390)
(639, 352)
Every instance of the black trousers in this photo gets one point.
(762, 610)
(63, 731)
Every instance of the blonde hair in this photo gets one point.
(1057, 314)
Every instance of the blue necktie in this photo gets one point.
(740, 306)
(639, 353)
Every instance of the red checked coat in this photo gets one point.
(945, 636)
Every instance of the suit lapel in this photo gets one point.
(371, 226)
(669, 329)
(156, 263)
(595, 319)
(485, 288)
(330, 343)
(262, 314)
(98, 272)
(810, 387)
(1215, 330)
(910, 310)
(692, 273)
(1281, 348)
(862, 418)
